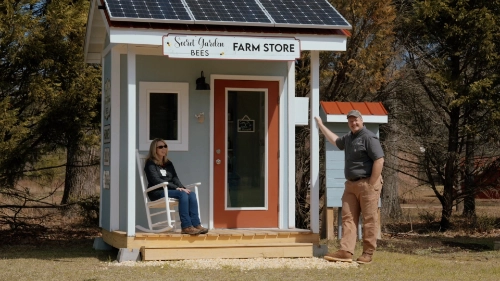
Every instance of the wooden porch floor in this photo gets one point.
(217, 243)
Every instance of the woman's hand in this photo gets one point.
(184, 189)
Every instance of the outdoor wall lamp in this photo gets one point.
(201, 84)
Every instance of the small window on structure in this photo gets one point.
(163, 116)
(163, 113)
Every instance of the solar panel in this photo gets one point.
(280, 13)
(171, 10)
(301, 13)
(224, 11)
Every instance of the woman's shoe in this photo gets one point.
(190, 230)
(202, 229)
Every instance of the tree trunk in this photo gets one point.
(390, 195)
(446, 216)
(81, 174)
(450, 169)
(470, 188)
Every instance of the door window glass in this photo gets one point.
(246, 150)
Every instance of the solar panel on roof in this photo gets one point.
(281, 13)
(298, 13)
(148, 9)
(243, 11)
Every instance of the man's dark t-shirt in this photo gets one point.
(360, 151)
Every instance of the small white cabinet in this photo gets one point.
(301, 111)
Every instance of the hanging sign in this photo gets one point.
(106, 133)
(106, 180)
(246, 125)
(107, 99)
(231, 47)
(107, 156)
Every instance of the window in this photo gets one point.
(163, 113)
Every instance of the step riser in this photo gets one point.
(227, 253)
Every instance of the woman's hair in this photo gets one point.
(153, 156)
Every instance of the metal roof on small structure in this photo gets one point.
(372, 112)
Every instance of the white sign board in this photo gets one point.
(231, 47)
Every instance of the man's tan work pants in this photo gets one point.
(360, 197)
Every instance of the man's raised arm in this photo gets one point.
(330, 136)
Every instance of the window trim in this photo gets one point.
(182, 89)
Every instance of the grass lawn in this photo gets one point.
(429, 257)
(410, 249)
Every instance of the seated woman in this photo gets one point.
(159, 169)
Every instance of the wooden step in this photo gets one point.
(214, 238)
(229, 251)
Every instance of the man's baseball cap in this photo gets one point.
(354, 113)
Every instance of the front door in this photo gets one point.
(246, 143)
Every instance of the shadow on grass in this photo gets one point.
(58, 244)
(417, 238)
(416, 244)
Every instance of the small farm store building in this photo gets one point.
(216, 79)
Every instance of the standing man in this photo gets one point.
(364, 160)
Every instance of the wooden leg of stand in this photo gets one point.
(379, 235)
(329, 224)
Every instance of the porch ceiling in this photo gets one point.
(95, 36)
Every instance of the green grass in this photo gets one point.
(397, 259)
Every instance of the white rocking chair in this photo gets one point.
(166, 205)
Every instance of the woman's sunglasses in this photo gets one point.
(162, 146)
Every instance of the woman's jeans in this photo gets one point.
(188, 205)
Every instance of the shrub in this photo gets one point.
(89, 210)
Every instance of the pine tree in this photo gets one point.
(49, 95)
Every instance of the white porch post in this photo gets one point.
(291, 144)
(314, 142)
(101, 168)
(114, 168)
(131, 139)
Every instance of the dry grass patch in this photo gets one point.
(65, 253)
(78, 261)
(410, 249)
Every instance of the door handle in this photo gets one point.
(218, 161)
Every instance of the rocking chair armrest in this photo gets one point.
(193, 185)
(163, 184)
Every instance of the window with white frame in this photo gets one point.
(163, 113)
